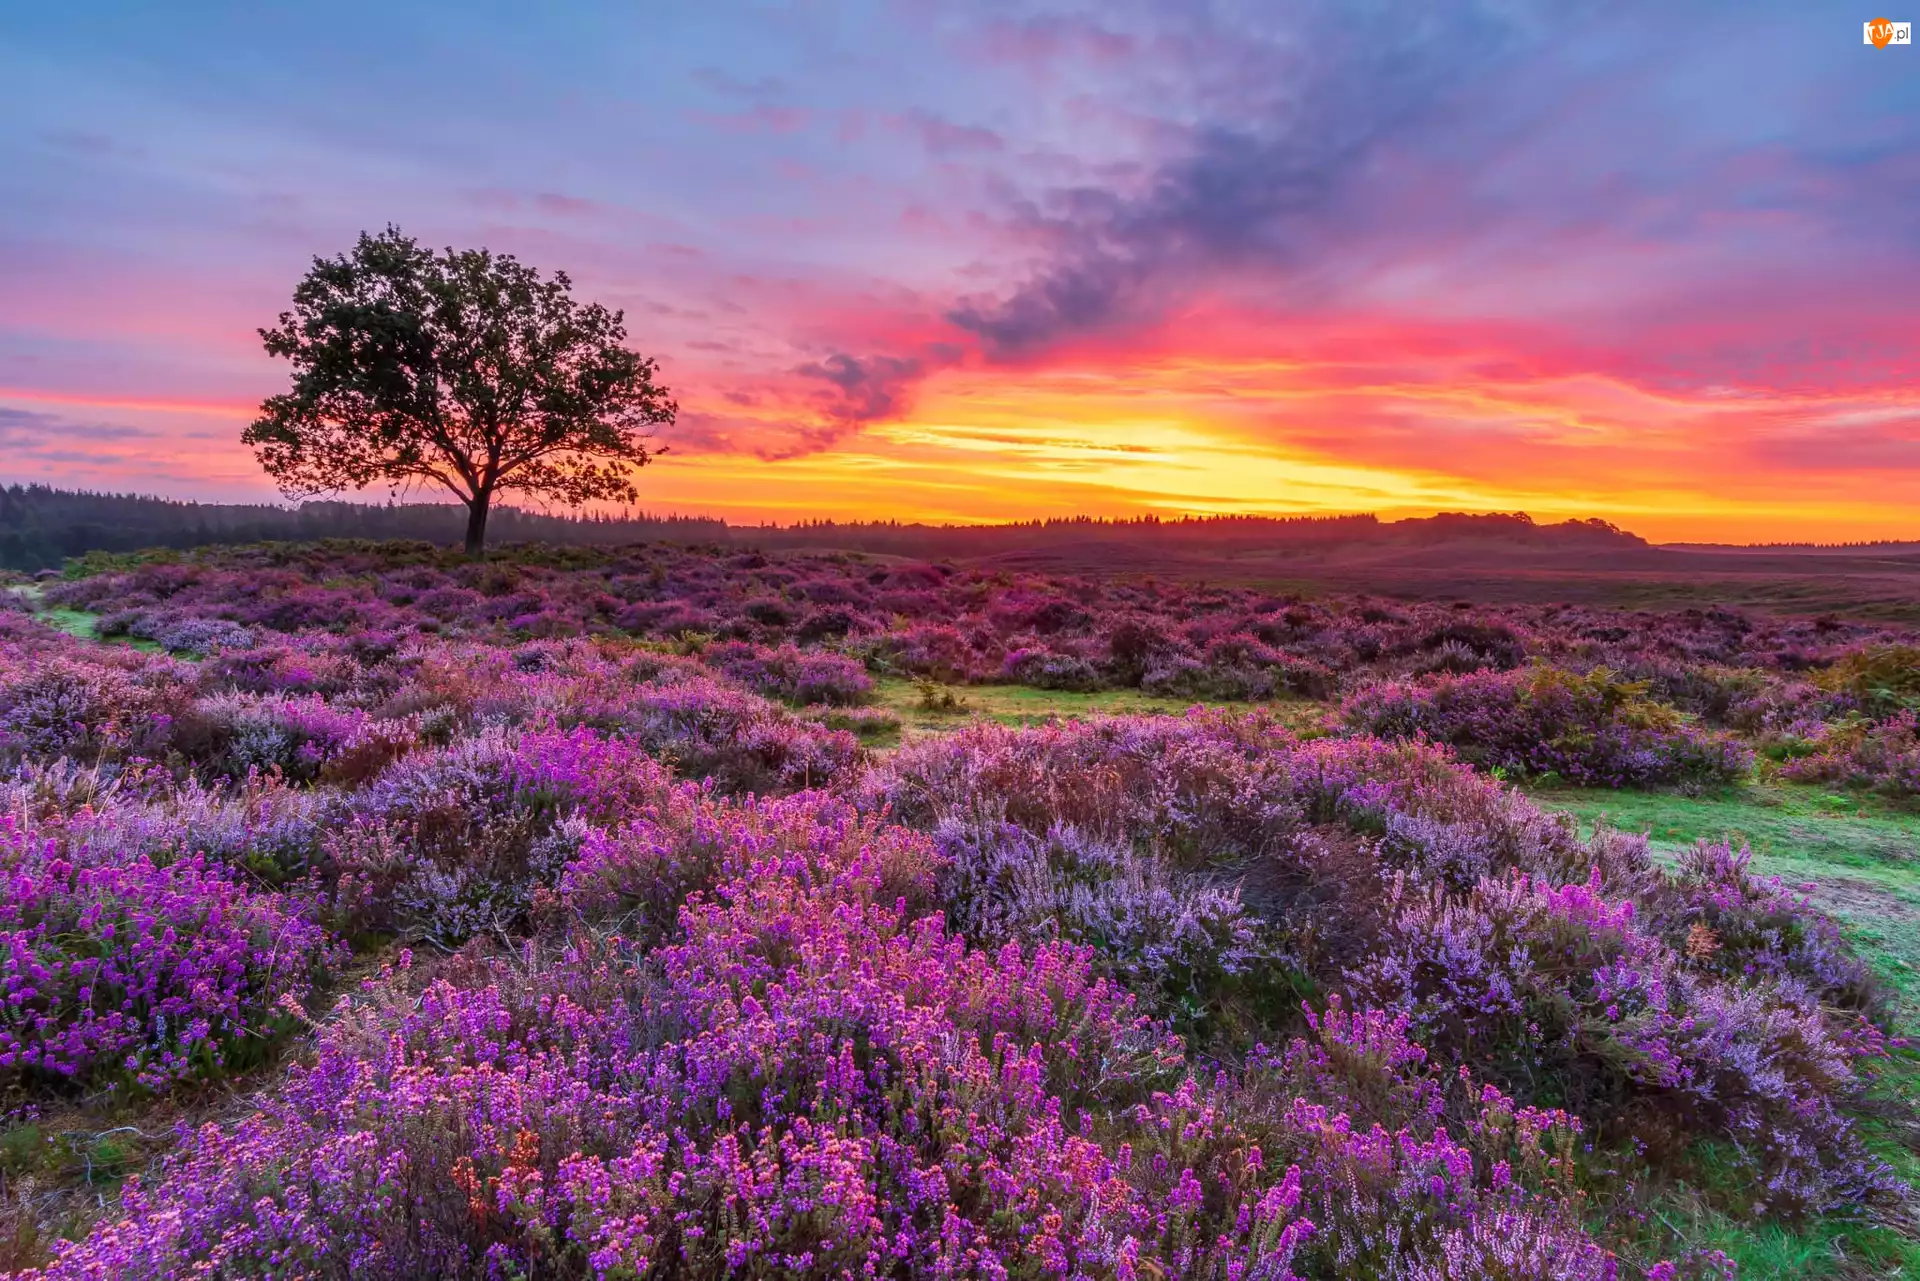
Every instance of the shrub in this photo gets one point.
(1721, 918)
(1048, 669)
(1591, 729)
(457, 843)
(1560, 992)
(1881, 756)
(191, 635)
(792, 676)
(140, 971)
(1177, 936)
(300, 737)
(90, 708)
(1884, 677)
(760, 1124)
(864, 723)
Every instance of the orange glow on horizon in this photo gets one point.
(1395, 429)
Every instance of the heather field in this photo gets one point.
(677, 912)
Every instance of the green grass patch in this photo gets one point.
(1023, 705)
(78, 622)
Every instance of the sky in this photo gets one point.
(1000, 259)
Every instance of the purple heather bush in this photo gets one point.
(460, 842)
(266, 829)
(791, 675)
(191, 635)
(1152, 927)
(1724, 919)
(62, 701)
(808, 1083)
(1562, 987)
(1388, 871)
(1045, 668)
(300, 737)
(1881, 756)
(670, 706)
(119, 968)
(734, 997)
(1591, 729)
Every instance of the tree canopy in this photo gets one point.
(464, 369)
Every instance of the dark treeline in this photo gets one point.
(41, 526)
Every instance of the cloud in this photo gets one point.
(865, 389)
(22, 428)
(555, 202)
(1256, 192)
(728, 85)
(95, 145)
(763, 118)
(944, 138)
(1046, 40)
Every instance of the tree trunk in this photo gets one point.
(477, 526)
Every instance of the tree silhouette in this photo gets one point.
(464, 369)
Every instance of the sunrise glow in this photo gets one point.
(1017, 260)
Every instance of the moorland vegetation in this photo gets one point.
(592, 913)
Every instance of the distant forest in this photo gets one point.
(41, 526)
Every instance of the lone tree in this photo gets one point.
(461, 368)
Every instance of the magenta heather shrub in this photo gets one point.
(688, 840)
(190, 635)
(1152, 927)
(864, 723)
(1182, 676)
(1045, 668)
(1210, 790)
(70, 701)
(669, 706)
(1590, 729)
(262, 827)
(133, 970)
(299, 737)
(450, 844)
(1149, 837)
(1562, 989)
(1392, 1191)
(1392, 872)
(744, 743)
(306, 665)
(788, 674)
(938, 651)
(1723, 919)
(757, 1104)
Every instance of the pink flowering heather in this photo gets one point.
(790, 674)
(719, 993)
(1880, 756)
(1588, 729)
(1529, 982)
(134, 970)
(806, 1084)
